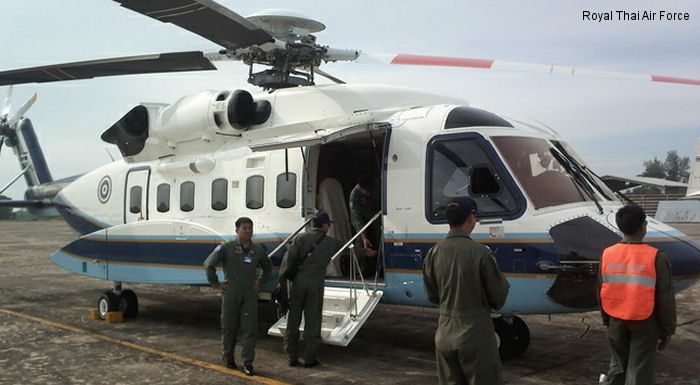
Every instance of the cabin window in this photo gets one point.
(219, 194)
(135, 199)
(187, 196)
(163, 198)
(254, 190)
(460, 165)
(286, 190)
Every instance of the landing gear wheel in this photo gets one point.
(522, 335)
(128, 304)
(513, 336)
(505, 338)
(107, 302)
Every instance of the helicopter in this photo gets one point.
(153, 216)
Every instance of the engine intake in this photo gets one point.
(130, 132)
(243, 112)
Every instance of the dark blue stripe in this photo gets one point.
(409, 256)
(683, 255)
(165, 252)
(76, 221)
(516, 257)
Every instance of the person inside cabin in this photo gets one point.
(246, 269)
(637, 301)
(364, 204)
(461, 276)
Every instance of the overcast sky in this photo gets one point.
(613, 124)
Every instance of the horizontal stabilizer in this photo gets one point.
(19, 204)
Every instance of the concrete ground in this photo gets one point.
(47, 336)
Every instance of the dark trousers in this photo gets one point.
(632, 351)
(466, 352)
(309, 299)
(239, 314)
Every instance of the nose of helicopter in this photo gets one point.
(682, 252)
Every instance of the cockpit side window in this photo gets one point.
(466, 165)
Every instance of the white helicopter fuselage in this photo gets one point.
(154, 216)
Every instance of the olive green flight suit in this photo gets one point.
(462, 277)
(633, 343)
(239, 303)
(307, 291)
(362, 209)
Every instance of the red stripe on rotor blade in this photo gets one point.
(441, 61)
(668, 79)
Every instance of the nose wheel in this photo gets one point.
(118, 300)
(512, 335)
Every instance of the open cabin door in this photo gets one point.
(330, 174)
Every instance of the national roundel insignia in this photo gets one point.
(104, 189)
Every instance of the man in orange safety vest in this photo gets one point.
(636, 300)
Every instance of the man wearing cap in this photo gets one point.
(304, 265)
(462, 277)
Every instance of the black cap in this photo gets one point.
(321, 218)
(464, 205)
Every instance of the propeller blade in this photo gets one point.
(22, 110)
(205, 18)
(165, 62)
(8, 103)
(447, 61)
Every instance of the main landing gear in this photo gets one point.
(118, 300)
(512, 335)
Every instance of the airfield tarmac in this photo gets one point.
(47, 336)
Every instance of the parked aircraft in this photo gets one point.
(190, 168)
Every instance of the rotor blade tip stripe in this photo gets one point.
(441, 61)
(669, 79)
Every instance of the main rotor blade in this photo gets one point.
(447, 61)
(165, 62)
(205, 18)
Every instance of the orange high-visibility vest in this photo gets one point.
(628, 273)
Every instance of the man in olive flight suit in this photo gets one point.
(639, 321)
(462, 277)
(364, 204)
(308, 255)
(241, 259)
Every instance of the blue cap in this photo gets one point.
(464, 205)
(321, 218)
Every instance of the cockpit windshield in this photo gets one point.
(595, 180)
(543, 176)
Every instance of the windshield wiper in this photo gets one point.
(585, 171)
(574, 169)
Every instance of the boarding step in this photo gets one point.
(341, 319)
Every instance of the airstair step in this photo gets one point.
(341, 317)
